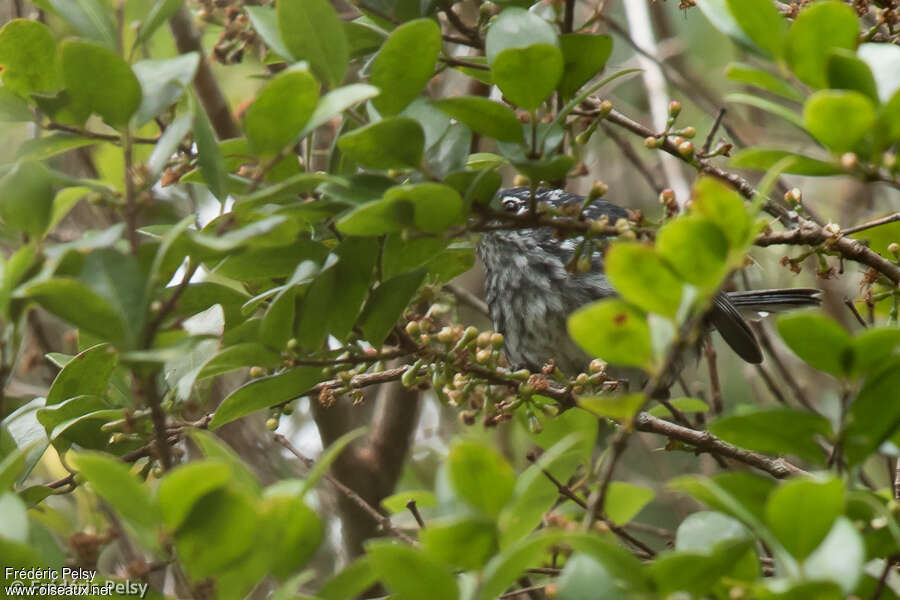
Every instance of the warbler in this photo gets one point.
(531, 287)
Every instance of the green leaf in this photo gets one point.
(214, 448)
(48, 146)
(430, 207)
(643, 278)
(819, 28)
(163, 82)
(264, 392)
(182, 487)
(547, 168)
(618, 407)
(28, 57)
(337, 101)
(280, 111)
(159, 14)
(410, 573)
(204, 546)
(718, 14)
(387, 303)
(888, 127)
(395, 142)
(100, 80)
(685, 405)
(503, 569)
(13, 517)
(614, 331)
(78, 304)
(167, 144)
(480, 476)
(349, 583)
(312, 31)
(405, 64)
(776, 431)
(27, 194)
(364, 37)
(873, 347)
(483, 116)
(874, 415)
(13, 109)
(763, 159)
(750, 75)
(801, 512)
(846, 71)
(625, 500)
(396, 503)
(819, 341)
(838, 119)
(113, 481)
(697, 572)
(723, 206)
(517, 28)
(89, 17)
(840, 557)
(265, 22)
(464, 543)
(239, 356)
(297, 532)
(527, 76)
(767, 105)
(762, 23)
(209, 155)
(87, 373)
(622, 566)
(696, 249)
(584, 56)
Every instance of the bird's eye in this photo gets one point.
(510, 205)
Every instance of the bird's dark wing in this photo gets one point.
(601, 208)
(729, 322)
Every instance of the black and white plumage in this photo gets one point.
(530, 292)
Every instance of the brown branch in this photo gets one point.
(96, 135)
(187, 39)
(870, 224)
(715, 394)
(703, 440)
(633, 158)
(456, 21)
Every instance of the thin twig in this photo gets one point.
(633, 157)
(849, 304)
(383, 520)
(715, 395)
(707, 145)
(96, 135)
(411, 506)
(870, 224)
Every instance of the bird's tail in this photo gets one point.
(774, 300)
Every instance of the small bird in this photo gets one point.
(531, 293)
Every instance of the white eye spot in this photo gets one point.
(510, 204)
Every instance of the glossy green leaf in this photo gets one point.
(349, 583)
(625, 500)
(750, 75)
(113, 481)
(548, 168)
(819, 341)
(517, 28)
(27, 194)
(776, 431)
(312, 31)
(774, 108)
(819, 28)
(204, 546)
(28, 57)
(405, 64)
(480, 476)
(280, 111)
(264, 392)
(762, 23)
(483, 116)
(214, 448)
(527, 76)
(874, 347)
(78, 304)
(696, 249)
(584, 56)
(387, 303)
(163, 82)
(337, 101)
(723, 206)
(90, 18)
(297, 532)
(642, 277)
(684, 405)
(100, 80)
(874, 415)
(265, 22)
(395, 142)
(801, 512)
(719, 15)
(13, 108)
(209, 155)
(42, 148)
(396, 503)
(697, 572)
(506, 567)
(363, 37)
(87, 373)
(763, 159)
(328, 457)
(614, 331)
(845, 71)
(158, 15)
(838, 119)
(181, 488)
(466, 543)
(410, 573)
(585, 577)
